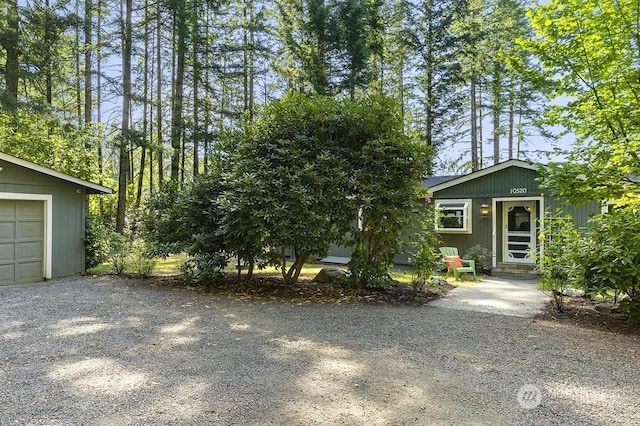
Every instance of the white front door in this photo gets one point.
(519, 237)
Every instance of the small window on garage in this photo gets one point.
(453, 216)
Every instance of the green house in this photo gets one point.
(501, 208)
(42, 221)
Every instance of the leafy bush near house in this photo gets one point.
(118, 249)
(479, 254)
(425, 258)
(558, 265)
(188, 218)
(141, 259)
(610, 257)
(604, 261)
(95, 242)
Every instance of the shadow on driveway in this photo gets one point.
(111, 351)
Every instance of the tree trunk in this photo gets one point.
(126, 109)
(496, 135)
(429, 75)
(252, 53)
(496, 94)
(143, 163)
(47, 59)
(519, 131)
(196, 93)
(183, 154)
(207, 104)
(402, 92)
(292, 275)
(88, 98)
(145, 107)
(149, 49)
(480, 105)
(474, 124)
(511, 119)
(176, 113)
(78, 76)
(99, 97)
(245, 56)
(159, 138)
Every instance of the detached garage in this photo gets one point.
(42, 221)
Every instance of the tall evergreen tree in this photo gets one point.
(10, 40)
(181, 26)
(438, 71)
(124, 168)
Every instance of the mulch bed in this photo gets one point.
(305, 291)
(577, 311)
(582, 312)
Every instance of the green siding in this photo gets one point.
(340, 251)
(580, 214)
(507, 183)
(68, 211)
(496, 185)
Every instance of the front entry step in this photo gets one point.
(514, 268)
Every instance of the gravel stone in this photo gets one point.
(116, 351)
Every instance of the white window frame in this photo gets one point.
(466, 210)
(607, 206)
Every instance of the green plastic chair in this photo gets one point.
(467, 265)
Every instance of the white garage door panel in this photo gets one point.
(21, 241)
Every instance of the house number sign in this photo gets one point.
(518, 191)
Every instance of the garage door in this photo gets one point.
(21, 241)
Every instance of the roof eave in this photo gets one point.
(480, 173)
(92, 188)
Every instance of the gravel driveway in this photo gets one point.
(111, 351)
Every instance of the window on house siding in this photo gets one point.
(453, 216)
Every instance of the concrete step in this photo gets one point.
(514, 269)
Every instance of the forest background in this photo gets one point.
(134, 93)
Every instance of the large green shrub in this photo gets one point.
(319, 167)
(604, 261)
(188, 218)
(480, 256)
(295, 178)
(610, 257)
(387, 167)
(141, 258)
(311, 172)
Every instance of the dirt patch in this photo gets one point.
(305, 291)
(584, 312)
